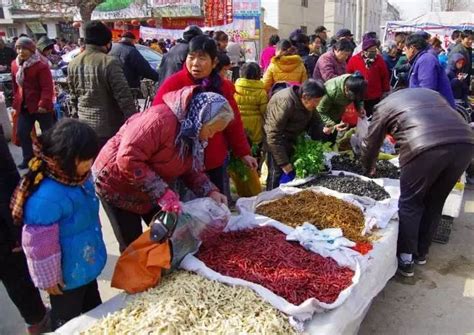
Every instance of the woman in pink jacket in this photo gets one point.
(269, 52)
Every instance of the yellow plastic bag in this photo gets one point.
(139, 267)
(249, 187)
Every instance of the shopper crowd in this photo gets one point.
(211, 105)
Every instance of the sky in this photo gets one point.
(412, 8)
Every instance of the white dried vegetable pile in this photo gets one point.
(185, 303)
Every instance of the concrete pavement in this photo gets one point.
(438, 300)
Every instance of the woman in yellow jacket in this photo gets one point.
(252, 99)
(285, 66)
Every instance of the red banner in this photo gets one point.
(217, 12)
(117, 34)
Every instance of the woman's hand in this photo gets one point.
(342, 126)
(287, 168)
(169, 202)
(42, 110)
(250, 161)
(56, 289)
(218, 197)
(328, 130)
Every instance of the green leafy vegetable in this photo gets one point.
(239, 168)
(308, 159)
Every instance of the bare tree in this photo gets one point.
(84, 7)
(455, 5)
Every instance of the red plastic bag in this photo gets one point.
(350, 115)
(139, 267)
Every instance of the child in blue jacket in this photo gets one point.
(57, 205)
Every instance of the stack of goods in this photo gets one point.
(323, 211)
(186, 303)
(384, 169)
(351, 185)
(263, 256)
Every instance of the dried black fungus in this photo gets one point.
(384, 169)
(350, 184)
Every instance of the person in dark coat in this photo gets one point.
(13, 268)
(464, 48)
(322, 33)
(426, 71)
(7, 55)
(173, 61)
(315, 45)
(290, 112)
(436, 147)
(458, 77)
(135, 66)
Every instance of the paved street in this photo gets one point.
(438, 300)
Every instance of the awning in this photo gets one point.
(36, 27)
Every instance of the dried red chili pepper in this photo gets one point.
(263, 256)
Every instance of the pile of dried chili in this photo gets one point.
(323, 211)
(263, 256)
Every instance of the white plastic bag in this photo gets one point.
(199, 216)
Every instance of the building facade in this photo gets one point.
(288, 15)
(359, 16)
(16, 20)
(390, 13)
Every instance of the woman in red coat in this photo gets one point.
(135, 168)
(32, 94)
(199, 70)
(374, 70)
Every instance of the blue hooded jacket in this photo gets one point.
(427, 72)
(76, 210)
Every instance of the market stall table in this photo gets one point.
(345, 319)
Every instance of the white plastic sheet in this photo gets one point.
(376, 213)
(344, 320)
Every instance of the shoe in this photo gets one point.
(23, 165)
(44, 326)
(419, 259)
(406, 269)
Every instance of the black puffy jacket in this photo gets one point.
(173, 60)
(419, 119)
(135, 66)
(9, 177)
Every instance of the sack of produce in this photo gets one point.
(139, 267)
(246, 181)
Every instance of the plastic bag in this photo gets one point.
(249, 187)
(200, 216)
(139, 267)
(361, 132)
(350, 116)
